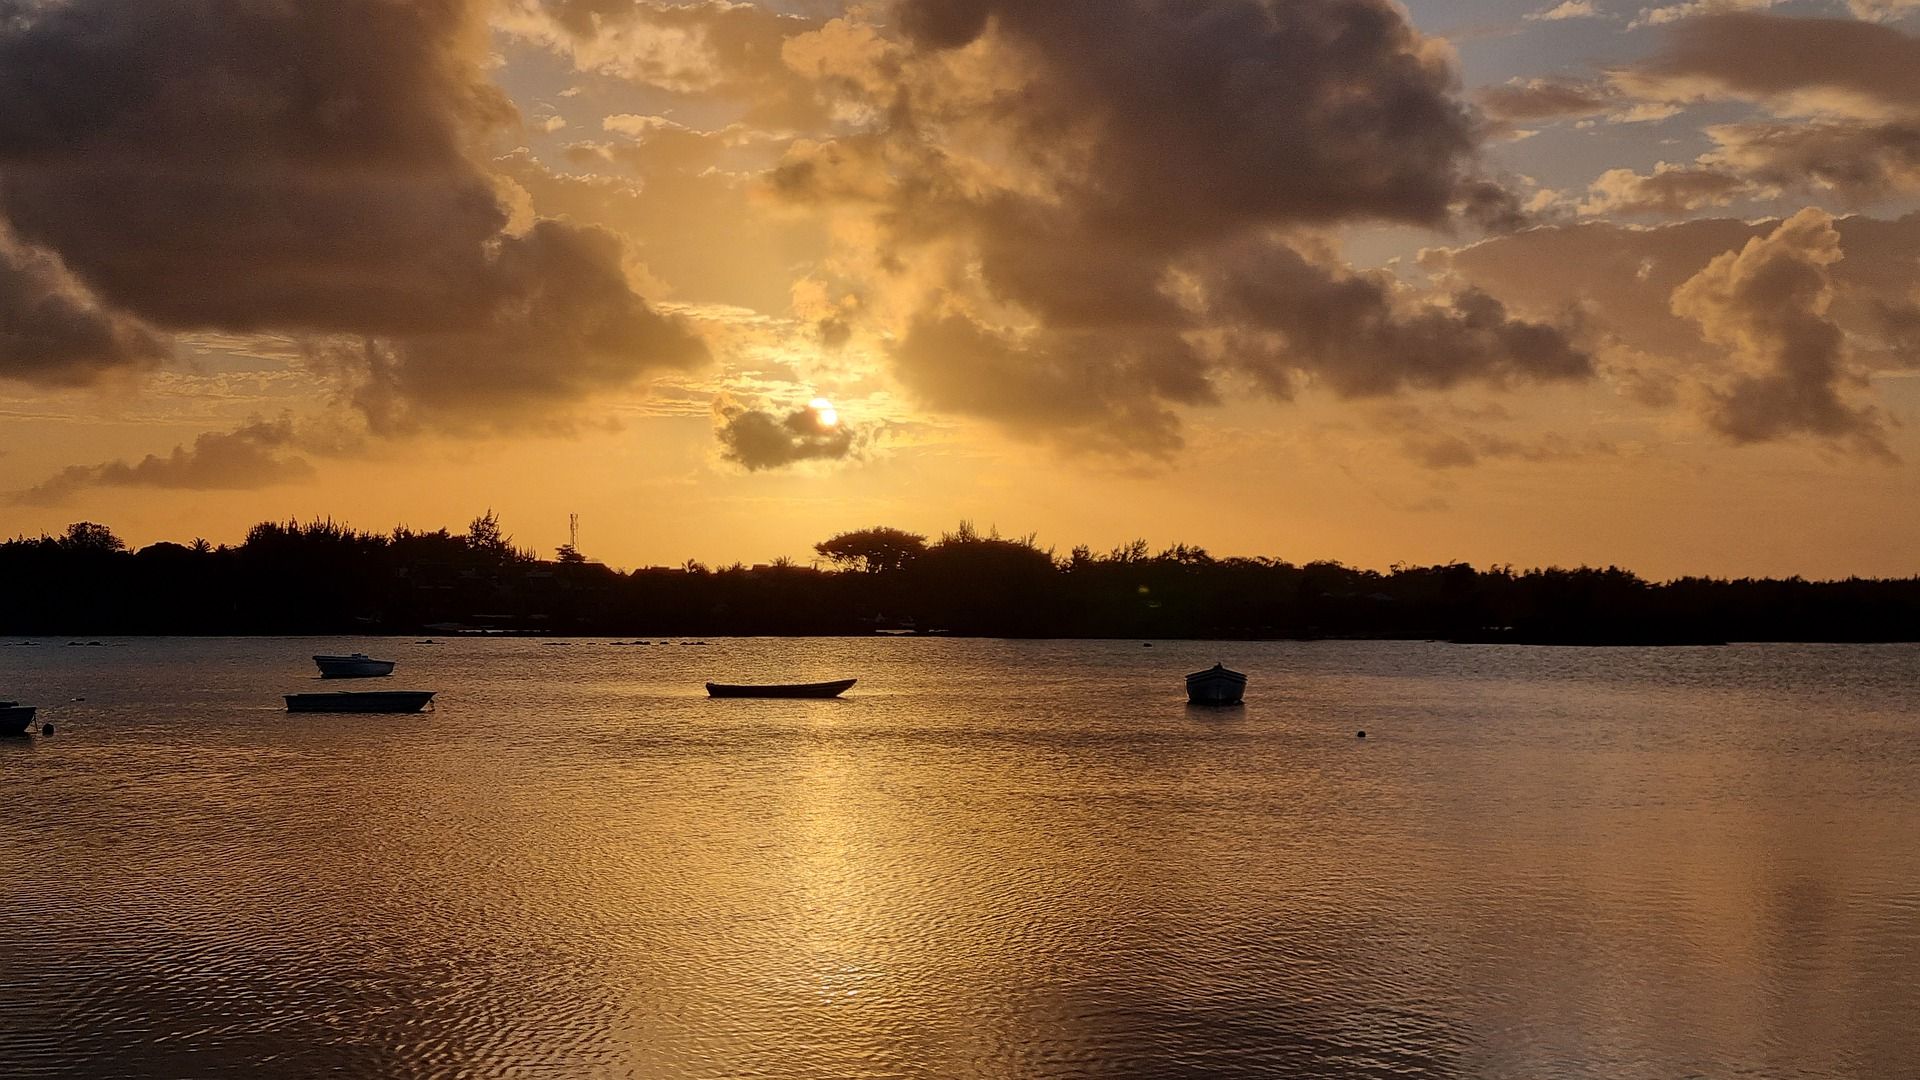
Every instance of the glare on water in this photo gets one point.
(991, 859)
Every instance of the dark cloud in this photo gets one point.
(52, 332)
(250, 457)
(222, 163)
(1834, 64)
(1316, 111)
(245, 166)
(1074, 203)
(1297, 318)
(1767, 305)
(562, 326)
(1900, 323)
(759, 439)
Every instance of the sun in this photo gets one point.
(822, 408)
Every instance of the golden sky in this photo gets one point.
(1507, 282)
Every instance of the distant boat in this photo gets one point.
(15, 718)
(342, 701)
(1216, 686)
(357, 666)
(786, 690)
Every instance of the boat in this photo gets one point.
(15, 718)
(357, 666)
(781, 690)
(344, 701)
(1216, 686)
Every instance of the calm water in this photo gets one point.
(993, 859)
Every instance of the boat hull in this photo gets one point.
(789, 690)
(1216, 687)
(352, 667)
(16, 719)
(342, 701)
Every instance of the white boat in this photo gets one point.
(357, 666)
(1216, 686)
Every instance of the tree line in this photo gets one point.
(322, 577)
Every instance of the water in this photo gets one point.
(993, 859)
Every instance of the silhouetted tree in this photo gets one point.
(89, 537)
(487, 539)
(322, 576)
(875, 550)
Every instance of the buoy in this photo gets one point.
(1360, 735)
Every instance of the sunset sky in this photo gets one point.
(1490, 280)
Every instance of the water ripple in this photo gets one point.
(994, 859)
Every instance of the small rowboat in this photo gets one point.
(15, 718)
(1216, 686)
(342, 701)
(789, 690)
(357, 666)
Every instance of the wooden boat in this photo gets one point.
(343, 701)
(1216, 686)
(357, 666)
(787, 690)
(15, 718)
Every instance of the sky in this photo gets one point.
(1588, 282)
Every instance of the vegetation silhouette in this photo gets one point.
(323, 577)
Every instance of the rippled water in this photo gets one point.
(992, 859)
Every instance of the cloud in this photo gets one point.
(245, 459)
(310, 169)
(760, 439)
(1861, 162)
(53, 332)
(1768, 304)
(1315, 111)
(1693, 9)
(1881, 9)
(1046, 206)
(1792, 65)
(1528, 101)
(1085, 389)
(1466, 449)
(1457, 438)
(1624, 280)
(697, 48)
(1846, 102)
(564, 326)
(1669, 190)
(687, 201)
(1566, 9)
(1295, 318)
